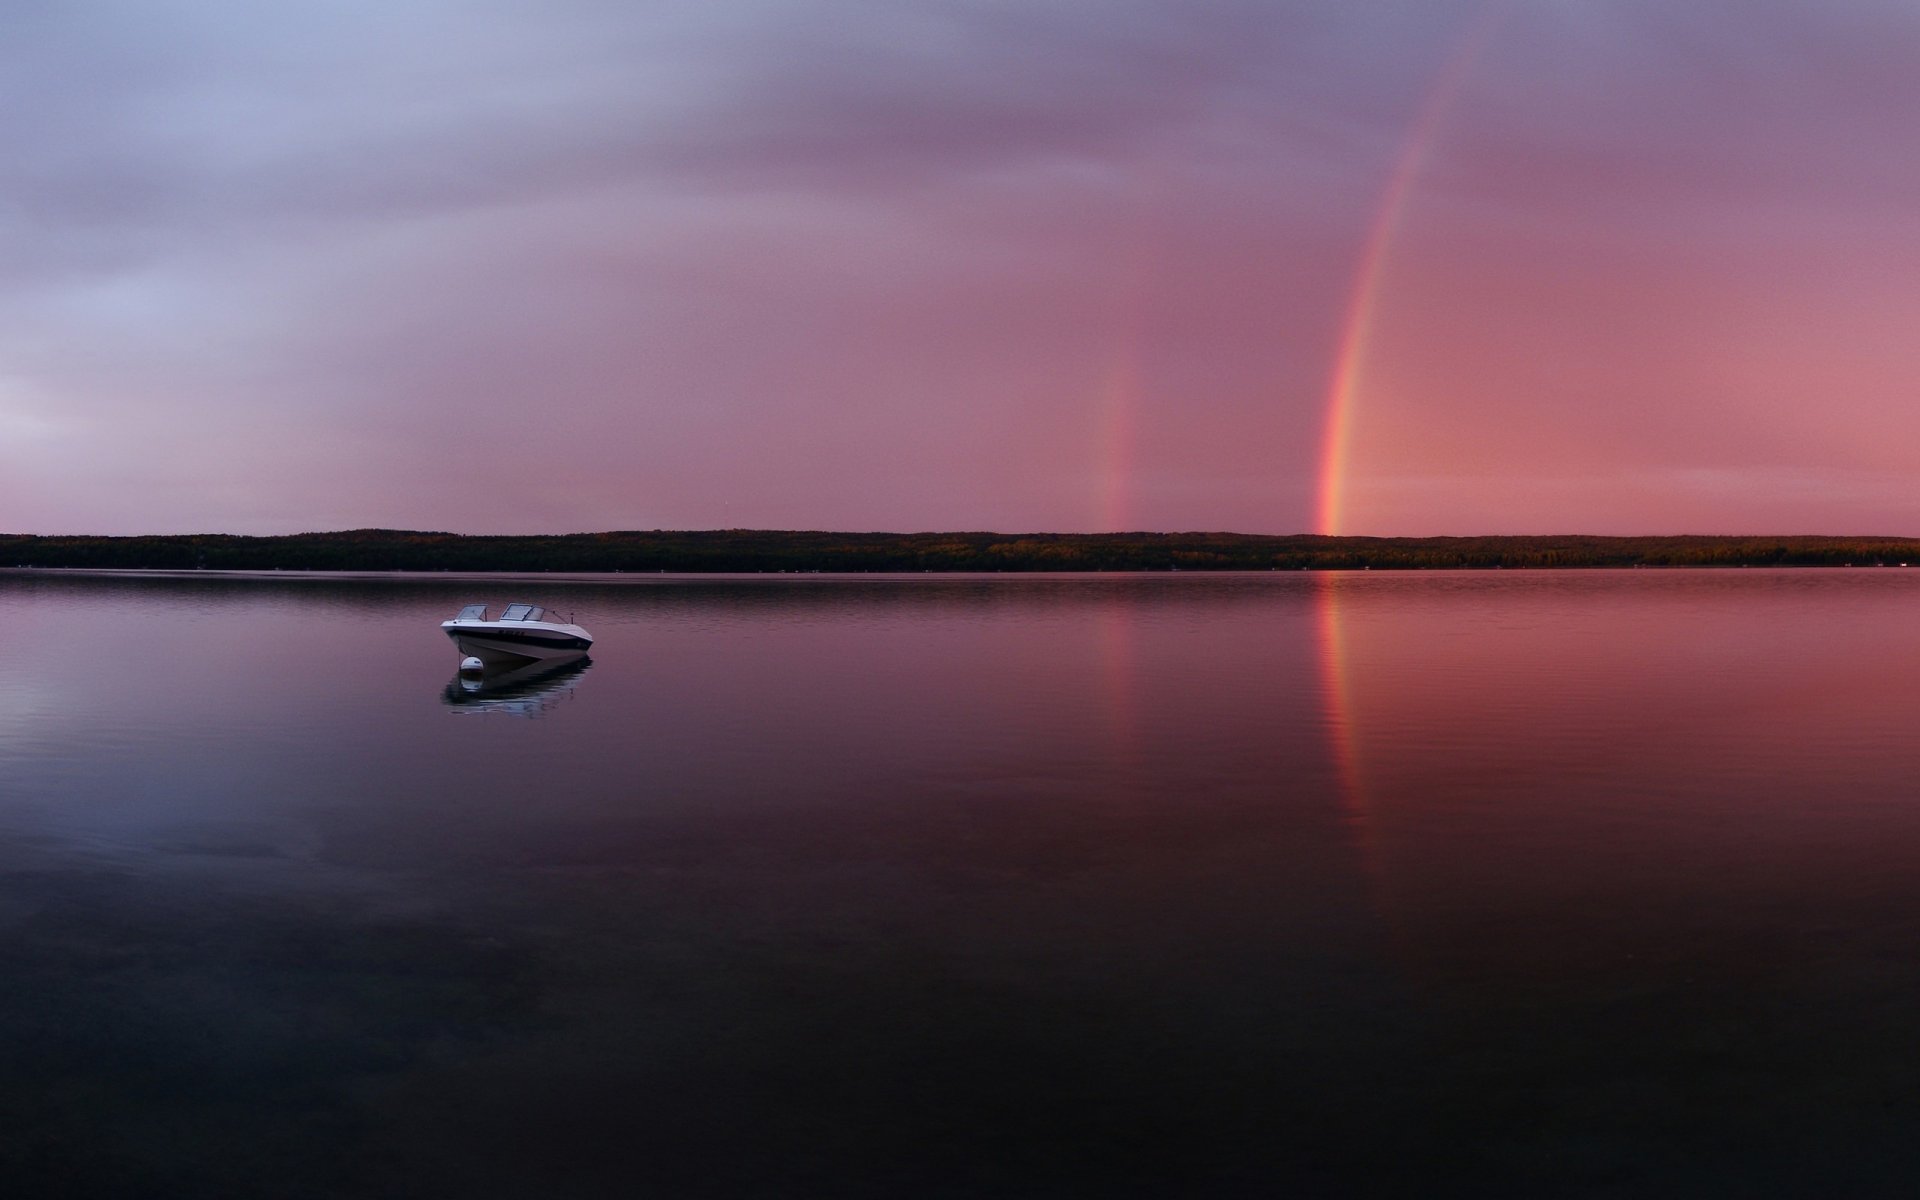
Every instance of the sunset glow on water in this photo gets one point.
(1522, 882)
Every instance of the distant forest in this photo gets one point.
(770, 550)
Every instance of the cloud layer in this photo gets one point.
(589, 265)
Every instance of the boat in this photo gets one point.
(521, 634)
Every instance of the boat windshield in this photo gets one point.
(521, 612)
(472, 612)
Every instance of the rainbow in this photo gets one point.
(1122, 390)
(1357, 321)
(1120, 398)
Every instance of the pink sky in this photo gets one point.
(985, 265)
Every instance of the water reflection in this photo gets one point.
(1344, 727)
(529, 691)
(1642, 838)
(1515, 884)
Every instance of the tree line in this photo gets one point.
(750, 550)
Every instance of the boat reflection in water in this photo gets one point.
(528, 691)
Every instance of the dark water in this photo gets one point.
(1529, 884)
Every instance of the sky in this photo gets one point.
(1272, 266)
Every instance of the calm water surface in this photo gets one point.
(1530, 884)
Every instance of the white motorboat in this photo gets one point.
(521, 634)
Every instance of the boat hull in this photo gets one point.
(517, 647)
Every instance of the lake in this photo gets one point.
(1347, 884)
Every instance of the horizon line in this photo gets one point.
(958, 532)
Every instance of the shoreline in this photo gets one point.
(655, 578)
(773, 552)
